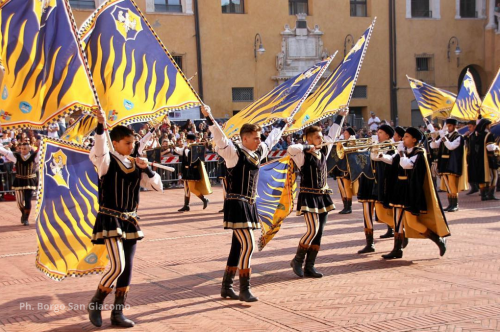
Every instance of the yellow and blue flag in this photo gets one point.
(276, 191)
(44, 73)
(432, 101)
(335, 93)
(79, 130)
(468, 103)
(281, 102)
(138, 78)
(66, 210)
(490, 108)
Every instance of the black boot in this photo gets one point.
(484, 194)
(245, 293)
(298, 260)
(397, 251)
(22, 216)
(309, 270)
(370, 246)
(439, 241)
(221, 211)
(117, 317)
(388, 234)
(205, 202)
(498, 185)
(454, 204)
(473, 189)
(26, 217)
(450, 204)
(186, 205)
(227, 283)
(491, 194)
(347, 206)
(405, 242)
(95, 306)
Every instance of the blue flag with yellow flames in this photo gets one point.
(138, 78)
(490, 108)
(276, 191)
(468, 103)
(432, 101)
(281, 102)
(67, 206)
(335, 93)
(44, 73)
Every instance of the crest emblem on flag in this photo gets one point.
(55, 168)
(127, 23)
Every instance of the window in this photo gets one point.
(425, 68)
(298, 7)
(242, 94)
(420, 8)
(82, 4)
(359, 91)
(171, 6)
(178, 60)
(468, 8)
(358, 8)
(233, 6)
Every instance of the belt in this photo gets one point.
(32, 176)
(249, 200)
(402, 177)
(316, 191)
(127, 216)
(445, 156)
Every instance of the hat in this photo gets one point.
(400, 130)
(191, 137)
(388, 129)
(415, 133)
(451, 121)
(350, 131)
(482, 124)
(372, 113)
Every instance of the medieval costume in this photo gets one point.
(341, 174)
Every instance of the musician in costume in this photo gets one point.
(194, 174)
(451, 161)
(26, 162)
(416, 209)
(240, 211)
(484, 161)
(314, 201)
(372, 193)
(120, 177)
(474, 187)
(344, 178)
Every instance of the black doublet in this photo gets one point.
(450, 162)
(25, 172)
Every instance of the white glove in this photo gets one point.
(442, 133)
(401, 147)
(374, 155)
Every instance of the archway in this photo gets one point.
(476, 72)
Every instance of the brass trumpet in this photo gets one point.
(341, 150)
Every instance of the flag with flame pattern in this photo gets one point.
(67, 206)
(468, 102)
(490, 108)
(79, 130)
(432, 101)
(276, 191)
(44, 73)
(138, 78)
(335, 93)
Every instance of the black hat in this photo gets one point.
(482, 124)
(350, 131)
(191, 137)
(400, 130)
(415, 133)
(451, 121)
(388, 129)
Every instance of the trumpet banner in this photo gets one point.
(67, 207)
(490, 108)
(276, 191)
(468, 103)
(432, 101)
(335, 93)
(138, 78)
(44, 73)
(281, 102)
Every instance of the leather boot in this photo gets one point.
(22, 216)
(454, 205)
(498, 185)
(484, 194)
(347, 206)
(186, 205)
(473, 189)
(227, 283)
(221, 211)
(117, 317)
(26, 217)
(298, 260)
(370, 246)
(450, 204)
(309, 270)
(439, 241)
(245, 292)
(405, 242)
(397, 251)
(491, 194)
(95, 305)
(388, 234)
(205, 201)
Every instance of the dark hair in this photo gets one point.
(120, 132)
(312, 130)
(25, 144)
(248, 128)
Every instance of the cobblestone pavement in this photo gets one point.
(179, 266)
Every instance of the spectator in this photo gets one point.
(373, 122)
(53, 130)
(71, 121)
(62, 126)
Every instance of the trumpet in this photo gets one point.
(341, 150)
